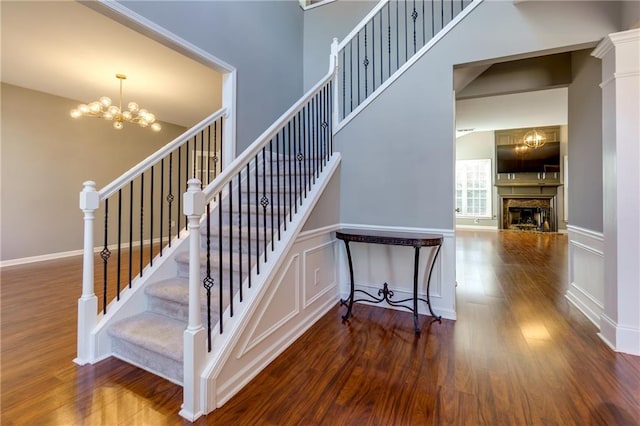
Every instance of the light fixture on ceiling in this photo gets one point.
(103, 108)
(533, 139)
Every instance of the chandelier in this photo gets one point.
(103, 108)
(533, 139)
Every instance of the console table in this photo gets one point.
(410, 239)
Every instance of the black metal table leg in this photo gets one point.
(351, 291)
(437, 317)
(416, 261)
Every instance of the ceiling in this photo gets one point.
(512, 111)
(67, 49)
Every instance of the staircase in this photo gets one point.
(152, 339)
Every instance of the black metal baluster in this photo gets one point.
(365, 62)
(202, 159)
(297, 166)
(389, 35)
(330, 118)
(230, 247)
(307, 153)
(151, 203)
(433, 20)
(302, 157)
(289, 160)
(278, 176)
(397, 36)
(179, 213)
(186, 176)
(194, 174)
(441, 15)
(209, 158)
(216, 158)
(406, 45)
(316, 143)
(208, 282)
(381, 55)
(451, 10)
(350, 75)
(130, 232)
(104, 254)
(240, 230)
(255, 162)
(221, 142)
(220, 282)
(373, 55)
(271, 189)
(141, 220)
(264, 201)
(414, 16)
(170, 195)
(119, 242)
(424, 19)
(248, 223)
(344, 82)
(161, 203)
(358, 62)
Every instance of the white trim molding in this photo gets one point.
(620, 56)
(586, 272)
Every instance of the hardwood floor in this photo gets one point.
(519, 354)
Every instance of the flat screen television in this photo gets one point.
(530, 160)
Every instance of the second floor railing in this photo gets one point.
(384, 41)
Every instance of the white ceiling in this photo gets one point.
(69, 50)
(518, 110)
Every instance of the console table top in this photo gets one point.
(396, 238)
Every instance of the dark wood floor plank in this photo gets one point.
(518, 354)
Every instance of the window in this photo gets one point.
(473, 188)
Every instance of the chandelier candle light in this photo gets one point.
(103, 108)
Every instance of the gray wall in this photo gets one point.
(46, 155)
(321, 25)
(398, 154)
(585, 147)
(261, 39)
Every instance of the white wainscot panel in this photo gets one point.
(586, 272)
(319, 272)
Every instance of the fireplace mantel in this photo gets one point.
(528, 195)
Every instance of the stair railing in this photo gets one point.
(142, 215)
(249, 207)
(384, 41)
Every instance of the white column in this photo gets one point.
(88, 302)
(194, 335)
(620, 323)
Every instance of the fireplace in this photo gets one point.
(528, 214)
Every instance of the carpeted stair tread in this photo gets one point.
(153, 332)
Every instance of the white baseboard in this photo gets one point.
(65, 254)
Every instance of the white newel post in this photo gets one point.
(88, 302)
(620, 322)
(194, 335)
(334, 67)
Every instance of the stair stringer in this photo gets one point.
(235, 359)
